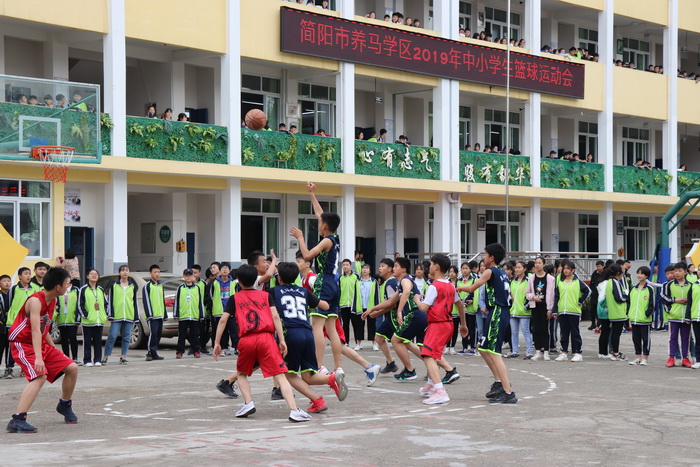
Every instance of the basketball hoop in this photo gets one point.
(56, 160)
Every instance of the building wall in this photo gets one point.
(24, 58)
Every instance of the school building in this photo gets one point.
(143, 190)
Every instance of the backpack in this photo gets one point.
(602, 309)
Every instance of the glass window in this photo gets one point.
(271, 205)
(250, 82)
(36, 189)
(30, 227)
(27, 220)
(271, 85)
(465, 214)
(319, 92)
(250, 205)
(7, 217)
(9, 187)
(304, 207)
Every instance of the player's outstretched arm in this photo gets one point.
(477, 283)
(270, 269)
(324, 245)
(318, 210)
(424, 307)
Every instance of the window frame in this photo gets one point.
(45, 240)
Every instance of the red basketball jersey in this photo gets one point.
(307, 283)
(441, 309)
(253, 312)
(21, 330)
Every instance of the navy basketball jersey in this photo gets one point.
(292, 303)
(498, 289)
(410, 304)
(326, 285)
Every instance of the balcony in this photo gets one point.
(397, 160)
(640, 181)
(149, 138)
(287, 151)
(481, 167)
(688, 181)
(556, 173)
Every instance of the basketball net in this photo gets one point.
(56, 160)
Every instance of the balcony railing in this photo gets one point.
(150, 138)
(688, 181)
(397, 160)
(640, 181)
(286, 151)
(481, 167)
(556, 173)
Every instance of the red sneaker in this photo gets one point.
(196, 355)
(686, 363)
(671, 362)
(336, 381)
(597, 330)
(319, 405)
(178, 356)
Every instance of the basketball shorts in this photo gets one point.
(261, 348)
(327, 289)
(301, 351)
(54, 360)
(495, 330)
(339, 330)
(413, 327)
(437, 336)
(386, 328)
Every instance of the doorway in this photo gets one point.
(81, 240)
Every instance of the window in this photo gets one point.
(308, 223)
(496, 228)
(588, 232)
(258, 92)
(588, 139)
(636, 238)
(497, 23)
(495, 129)
(588, 40)
(465, 15)
(465, 126)
(635, 145)
(317, 108)
(260, 224)
(636, 51)
(464, 230)
(25, 212)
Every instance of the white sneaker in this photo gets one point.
(636, 361)
(644, 362)
(577, 358)
(545, 357)
(339, 371)
(98, 364)
(538, 355)
(606, 356)
(562, 358)
(324, 371)
(247, 409)
(88, 364)
(298, 415)
(375, 347)
(453, 351)
(439, 396)
(694, 366)
(358, 347)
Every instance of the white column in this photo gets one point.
(114, 43)
(533, 25)
(179, 217)
(606, 229)
(670, 126)
(177, 86)
(399, 227)
(116, 232)
(446, 16)
(534, 226)
(55, 59)
(606, 146)
(230, 79)
(445, 125)
(228, 223)
(533, 108)
(444, 224)
(345, 114)
(347, 224)
(384, 221)
(674, 242)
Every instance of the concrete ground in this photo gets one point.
(169, 413)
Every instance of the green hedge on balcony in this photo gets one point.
(149, 138)
(640, 181)
(283, 150)
(556, 173)
(688, 180)
(482, 167)
(397, 160)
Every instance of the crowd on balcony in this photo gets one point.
(691, 76)
(491, 149)
(60, 102)
(574, 52)
(570, 156)
(325, 4)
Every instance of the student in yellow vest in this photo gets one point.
(692, 275)
(205, 322)
(92, 303)
(366, 292)
(359, 262)
(520, 314)
(122, 312)
(67, 319)
(153, 299)
(471, 306)
(640, 314)
(188, 312)
(453, 277)
(346, 282)
(40, 270)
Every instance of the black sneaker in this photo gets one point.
(277, 394)
(406, 375)
(19, 424)
(504, 398)
(123, 361)
(226, 388)
(451, 376)
(149, 357)
(553, 351)
(496, 389)
(389, 368)
(66, 409)
(158, 357)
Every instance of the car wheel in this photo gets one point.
(138, 337)
(55, 335)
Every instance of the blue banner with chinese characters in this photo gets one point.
(323, 36)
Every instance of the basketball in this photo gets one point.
(255, 119)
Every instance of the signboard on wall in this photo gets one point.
(71, 206)
(309, 33)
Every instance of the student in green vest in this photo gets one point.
(346, 282)
(188, 312)
(675, 295)
(205, 322)
(5, 284)
(365, 297)
(153, 298)
(359, 262)
(92, 303)
(67, 318)
(520, 314)
(616, 300)
(454, 279)
(40, 270)
(19, 293)
(569, 294)
(471, 306)
(122, 312)
(692, 275)
(640, 314)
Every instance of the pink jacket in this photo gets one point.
(549, 294)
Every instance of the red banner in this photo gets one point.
(334, 38)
